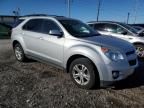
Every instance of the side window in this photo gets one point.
(91, 25)
(123, 31)
(99, 27)
(18, 21)
(33, 25)
(111, 28)
(120, 30)
(49, 25)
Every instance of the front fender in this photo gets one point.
(88, 52)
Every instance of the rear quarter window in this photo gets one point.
(34, 25)
(91, 25)
(19, 21)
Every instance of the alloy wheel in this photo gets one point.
(81, 74)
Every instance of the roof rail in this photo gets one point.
(41, 15)
(34, 15)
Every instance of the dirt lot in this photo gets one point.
(38, 85)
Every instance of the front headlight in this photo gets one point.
(112, 54)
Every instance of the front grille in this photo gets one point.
(132, 62)
(130, 52)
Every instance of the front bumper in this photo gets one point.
(105, 83)
(122, 67)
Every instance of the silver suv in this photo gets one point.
(122, 31)
(91, 59)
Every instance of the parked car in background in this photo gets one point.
(90, 58)
(122, 31)
(5, 31)
(138, 28)
(140, 25)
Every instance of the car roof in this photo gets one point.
(141, 25)
(94, 22)
(44, 16)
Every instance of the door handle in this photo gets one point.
(130, 38)
(41, 38)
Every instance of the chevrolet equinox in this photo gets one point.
(92, 59)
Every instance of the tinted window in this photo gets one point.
(130, 28)
(121, 30)
(99, 27)
(77, 28)
(91, 25)
(111, 28)
(33, 25)
(17, 22)
(49, 25)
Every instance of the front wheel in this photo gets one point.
(19, 53)
(140, 51)
(83, 73)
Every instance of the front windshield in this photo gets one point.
(130, 28)
(77, 28)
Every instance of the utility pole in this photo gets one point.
(135, 10)
(17, 12)
(128, 17)
(69, 8)
(98, 9)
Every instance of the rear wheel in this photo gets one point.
(140, 51)
(83, 73)
(19, 53)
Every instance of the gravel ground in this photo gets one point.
(38, 85)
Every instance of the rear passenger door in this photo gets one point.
(42, 45)
(31, 34)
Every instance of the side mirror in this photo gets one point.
(56, 33)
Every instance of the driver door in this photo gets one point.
(51, 46)
(117, 31)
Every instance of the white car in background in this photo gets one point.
(122, 31)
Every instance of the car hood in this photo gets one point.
(109, 41)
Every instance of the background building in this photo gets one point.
(9, 20)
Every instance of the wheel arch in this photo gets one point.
(20, 41)
(73, 57)
(15, 42)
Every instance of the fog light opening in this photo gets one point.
(115, 74)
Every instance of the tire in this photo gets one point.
(82, 72)
(19, 53)
(140, 51)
